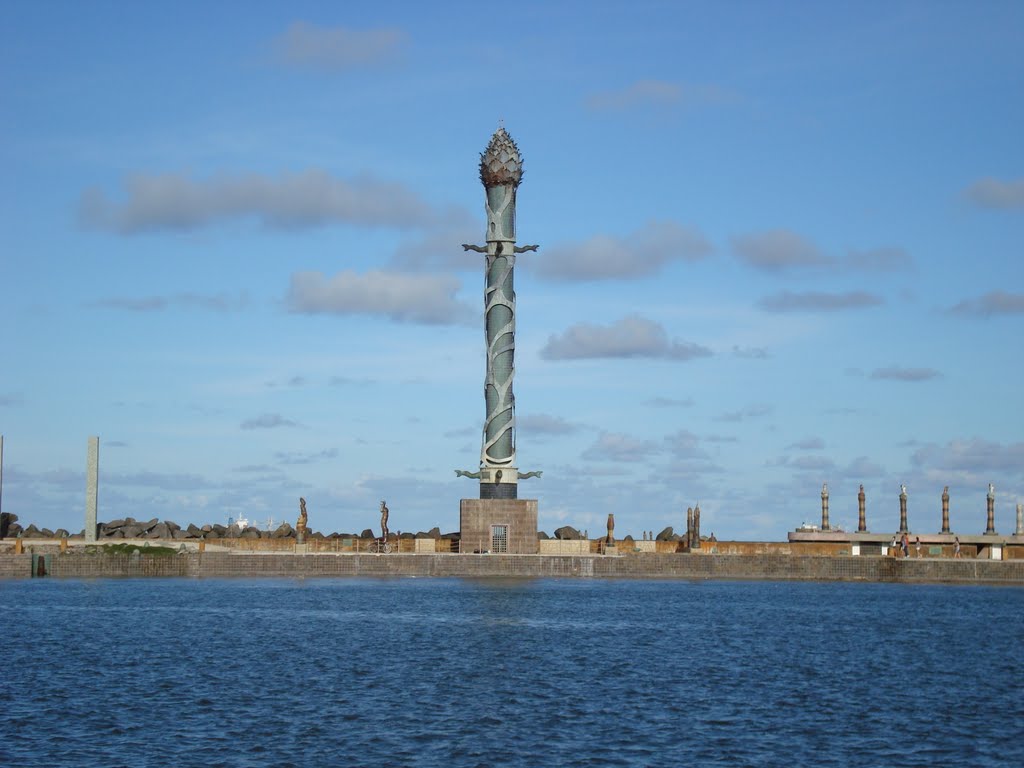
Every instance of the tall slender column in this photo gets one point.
(92, 483)
(945, 510)
(862, 521)
(1020, 521)
(990, 527)
(3, 520)
(689, 526)
(824, 508)
(501, 170)
(903, 509)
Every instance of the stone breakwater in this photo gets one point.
(168, 530)
(677, 566)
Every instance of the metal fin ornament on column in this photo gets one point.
(501, 171)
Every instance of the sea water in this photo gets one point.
(456, 672)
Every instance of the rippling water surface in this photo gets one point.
(438, 672)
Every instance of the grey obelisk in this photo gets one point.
(92, 484)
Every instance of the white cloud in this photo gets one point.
(782, 250)
(268, 421)
(818, 301)
(426, 299)
(973, 455)
(218, 303)
(991, 303)
(808, 444)
(631, 337)
(306, 199)
(305, 457)
(337, 49)
(669, 402)
(608, 257)
(750, 412)
(995, 193)
(619, 447)
(545, 424)
(898, 373)
(685, 445)
(778, 250)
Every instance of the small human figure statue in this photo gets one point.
(956, 547)
(862, 523)
(917, 546)
(302, 523)
(610, 540)
(905, 545)
(384, 531)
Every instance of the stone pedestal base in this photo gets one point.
(490, 525)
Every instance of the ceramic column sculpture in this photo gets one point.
(903, 509)
(945, 510)
(92, 483)
(824, 508)
(610, 539)
(689, 526)
(1020, 521)
(501, 171)
(696, 526)
(990, 527)
(862, 521)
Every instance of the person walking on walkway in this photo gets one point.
(956, 547)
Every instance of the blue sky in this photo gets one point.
(781, 245)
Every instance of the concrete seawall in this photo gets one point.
(678, 566)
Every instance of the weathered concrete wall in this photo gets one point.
(769, 567)
(564, 546)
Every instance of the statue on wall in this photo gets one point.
(610, 540)
(384, 513)
(302, 523)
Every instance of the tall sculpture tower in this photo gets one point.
(501, 171)
(499, 521)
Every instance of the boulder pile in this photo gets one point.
(130, 528)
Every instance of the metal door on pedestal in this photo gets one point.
(499, 539)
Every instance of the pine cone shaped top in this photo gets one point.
(501, 162)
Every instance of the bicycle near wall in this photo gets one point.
(379, 547)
